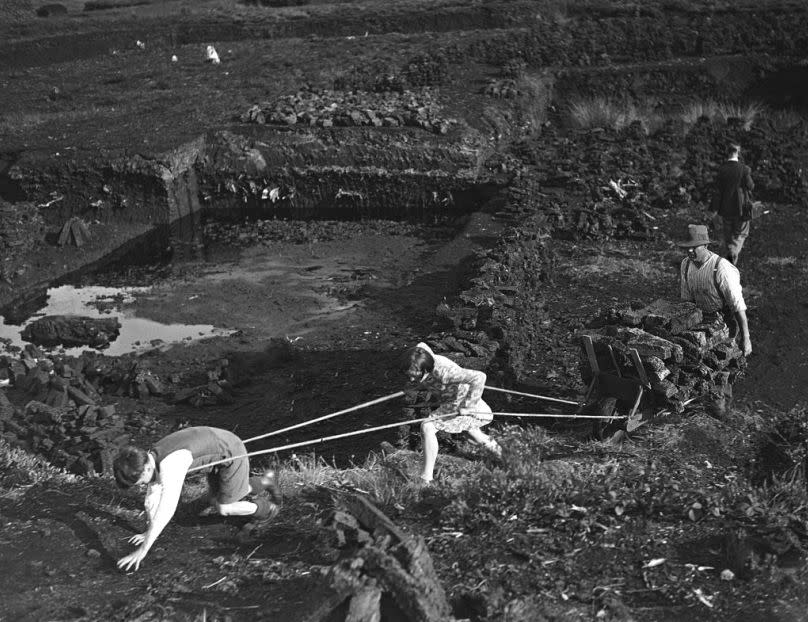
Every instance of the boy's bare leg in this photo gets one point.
(237, 508)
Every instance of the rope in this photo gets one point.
(558, 416)
(392, 425)
(324, 417)
(384, 399)
(541, 397)
(319, 440)
(386, 427)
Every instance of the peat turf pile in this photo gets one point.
(58, 380)
(503, 308)
(616, 209)
(64, 417)
(81, 439)
(71, 331)
(65, 412)
(685, 354)
(216, 389)
(327, 108)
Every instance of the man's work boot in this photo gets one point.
(267, 481)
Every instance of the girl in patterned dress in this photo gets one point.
(459, 391)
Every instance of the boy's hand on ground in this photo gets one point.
(747, 346)
(132, 561)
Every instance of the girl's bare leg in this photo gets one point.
(430, 442)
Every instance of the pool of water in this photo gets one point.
(137, 334)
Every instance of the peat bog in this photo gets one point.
(350, 179)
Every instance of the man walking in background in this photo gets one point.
(732, 193)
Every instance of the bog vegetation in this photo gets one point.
(602, 112)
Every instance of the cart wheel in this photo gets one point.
(605, 407)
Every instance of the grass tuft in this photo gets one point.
(387, 480)
(20, 469)
(721, 112)
(601, 112)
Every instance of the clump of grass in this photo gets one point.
(746, 113)
(537, 94)
(598, 112)
(602, 112)
(382, 478)
(695, 111)
(20, 469)
(721, 112)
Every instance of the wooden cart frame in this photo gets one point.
(614, 393)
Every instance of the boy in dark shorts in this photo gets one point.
(164, 469)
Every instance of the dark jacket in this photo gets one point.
(732, 184)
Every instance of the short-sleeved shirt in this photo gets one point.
(698, 284)
(229, 481)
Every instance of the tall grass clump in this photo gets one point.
(601, 112)
(721, 112)
(537, 93)
(19, 468)
(383, 479)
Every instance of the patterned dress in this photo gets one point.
(455, 388)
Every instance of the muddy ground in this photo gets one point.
(319, 317)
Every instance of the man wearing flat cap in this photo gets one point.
(713, 283)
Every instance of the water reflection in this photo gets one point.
(137, 334)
